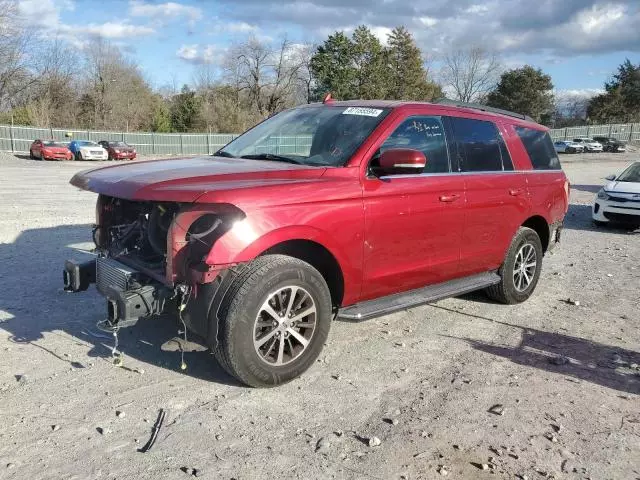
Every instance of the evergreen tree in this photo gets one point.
(621, 100)
(369, 60)
(185, 110)
(524, 90)
(333, 69)
(407, 75)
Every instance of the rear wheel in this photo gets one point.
(274, 321)
(521, 268)
(31, 155)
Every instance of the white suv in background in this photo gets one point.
(590, 145)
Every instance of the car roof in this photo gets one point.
(450, 107)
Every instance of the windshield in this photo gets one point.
(86, 143)
(631, 174)
(318, 135)
(51, 143)
(118, 144)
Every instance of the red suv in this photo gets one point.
(351, 209)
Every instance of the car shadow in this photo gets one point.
(574, 357)
(23, 156)
(586, 188)
(32, 296)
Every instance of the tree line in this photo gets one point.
(46, 82)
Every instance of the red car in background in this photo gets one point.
(49, 150)
(118, 150)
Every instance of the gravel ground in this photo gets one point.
(562, 378)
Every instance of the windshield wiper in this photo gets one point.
(222, 153)
(271, 156)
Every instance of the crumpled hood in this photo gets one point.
(623, 187)
(186, 179)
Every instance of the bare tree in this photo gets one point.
(305, 80)
(265, 74)
(117, 96)
(15, 74)
(470, 74)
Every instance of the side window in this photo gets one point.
(479, 146)
(424, 133)
(538, 145)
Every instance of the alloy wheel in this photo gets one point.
(524, 267)
(284, 325)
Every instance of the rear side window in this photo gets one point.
(479, 146)
(540, 149)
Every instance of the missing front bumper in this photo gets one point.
(130, 295)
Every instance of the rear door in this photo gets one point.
(413, 222)
(496, 194)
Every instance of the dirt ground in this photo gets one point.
(563, 378)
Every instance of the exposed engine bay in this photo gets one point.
(134, 230)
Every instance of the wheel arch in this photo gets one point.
(319, 257)
(540, 225)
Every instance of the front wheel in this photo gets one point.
(78, 157)
(520, 271)
(274, 321)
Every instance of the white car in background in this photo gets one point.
(88, 150)
(590, 145)
(567, 146)
(619, 200)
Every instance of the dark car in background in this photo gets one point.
(50, 150)
(610, 144)
(118, 150)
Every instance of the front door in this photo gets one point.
(413, 222)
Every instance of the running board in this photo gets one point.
(420, 296)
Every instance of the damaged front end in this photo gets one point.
(150, 256)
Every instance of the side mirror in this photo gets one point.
(610, 177)
(399, 160)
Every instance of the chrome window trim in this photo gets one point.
(500, 172)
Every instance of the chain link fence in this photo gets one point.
(18, 139)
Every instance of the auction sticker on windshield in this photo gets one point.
(366, 112)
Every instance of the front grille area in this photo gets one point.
(613, 198)
(622, 218)
(111, 274)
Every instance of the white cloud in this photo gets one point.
(428, 21)
(113, 30)
(164, 11)
(381, 33)
(44, 16)
(202, 54)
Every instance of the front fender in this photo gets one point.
(245, 241)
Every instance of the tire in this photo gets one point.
(78, 156)
(508, 291)
(31, 155)
(244, 321)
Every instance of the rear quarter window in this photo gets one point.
(540, 149)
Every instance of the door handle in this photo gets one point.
(449, 198)
(514, 192)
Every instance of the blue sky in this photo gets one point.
(578, 42)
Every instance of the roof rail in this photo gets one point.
(484, 108)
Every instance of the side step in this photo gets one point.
(401, 301)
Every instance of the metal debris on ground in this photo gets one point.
(497, 409)
(154, 432)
